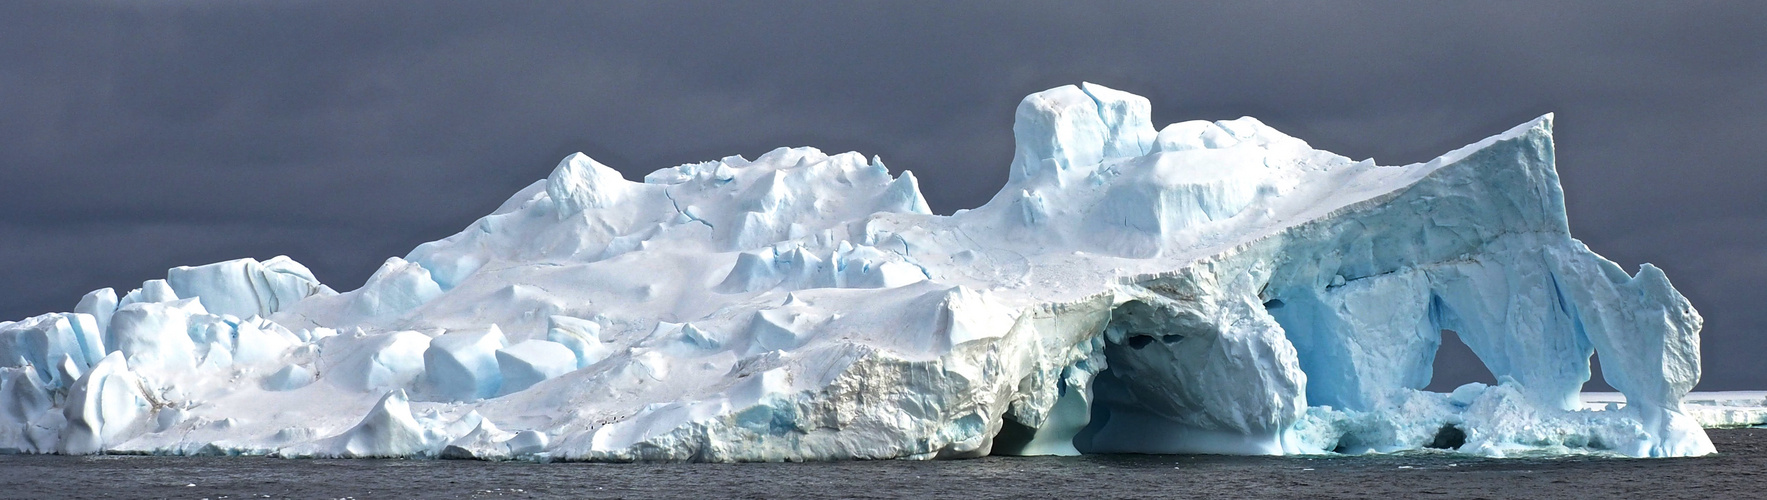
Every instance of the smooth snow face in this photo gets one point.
(1208, 287)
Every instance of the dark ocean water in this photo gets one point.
(1736, 472)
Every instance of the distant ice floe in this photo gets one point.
(1208, 287)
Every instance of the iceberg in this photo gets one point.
(1206, 287)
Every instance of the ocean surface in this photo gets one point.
(1735, 472)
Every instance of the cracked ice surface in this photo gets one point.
(1214, 287)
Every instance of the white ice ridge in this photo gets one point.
(1722, 409)
(1211, 287)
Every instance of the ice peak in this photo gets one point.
(1060, 130)
(581, 183)
(1537, 132)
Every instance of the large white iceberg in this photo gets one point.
(1213, 287)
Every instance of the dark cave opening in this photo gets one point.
(1449, 437)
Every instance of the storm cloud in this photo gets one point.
(139, 136)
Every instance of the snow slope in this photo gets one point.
(1212, 287)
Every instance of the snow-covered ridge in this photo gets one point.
(1214, 287)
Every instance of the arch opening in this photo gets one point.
(1455, 365)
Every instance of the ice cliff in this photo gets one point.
(1214, 287)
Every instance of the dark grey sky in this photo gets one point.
(139, 136)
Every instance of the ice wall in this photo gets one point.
(1207, 287)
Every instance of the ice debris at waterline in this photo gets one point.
(1210, 287)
